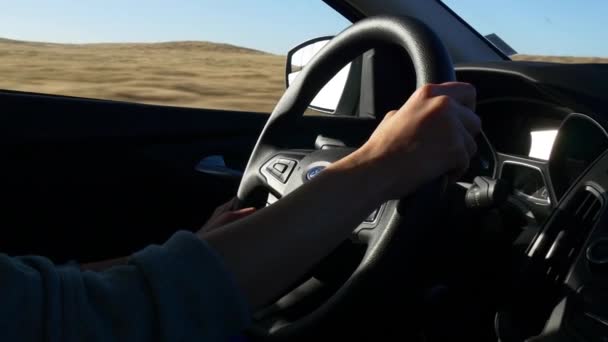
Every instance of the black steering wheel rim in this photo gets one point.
(432, 64)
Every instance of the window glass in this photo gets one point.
(540, 30)
(197, 53)
(542, 143)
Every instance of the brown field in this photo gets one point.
(193, 74)
(565, 59)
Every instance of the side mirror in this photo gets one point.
(341, 93)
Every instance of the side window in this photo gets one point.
(227, 55)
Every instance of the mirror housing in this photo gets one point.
(340, 96)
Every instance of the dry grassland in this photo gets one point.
(193, 74)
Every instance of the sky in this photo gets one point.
(269, 25)
(546, 27)
(549, 27)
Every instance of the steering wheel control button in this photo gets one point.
(597, 255)
(280, 168)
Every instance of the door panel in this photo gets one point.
(89, 179)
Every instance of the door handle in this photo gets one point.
(215, 165)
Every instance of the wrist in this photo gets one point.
(365, 172)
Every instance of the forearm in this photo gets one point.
(270, 250)
(273, 248)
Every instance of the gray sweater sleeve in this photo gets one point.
(179, 291)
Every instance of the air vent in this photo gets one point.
(581, 213)
(589, 206)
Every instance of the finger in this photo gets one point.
(463, 93)
(232, 216)
(243, 212)
(216, 216)
(226, 218)
(224, 207)
(469, 143)
(464, 149)
(470, 121)
(228, 206)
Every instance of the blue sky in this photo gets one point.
(558, 27)
(269, 25)
(547, 27)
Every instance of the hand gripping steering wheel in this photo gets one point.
(279, 170)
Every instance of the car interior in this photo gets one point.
(516, 250)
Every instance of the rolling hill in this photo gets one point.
(560, 59)
(183, 73)
(196, 74)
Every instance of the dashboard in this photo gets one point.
(562, 189)
(545, 136)
(581, 141)
(540, 157)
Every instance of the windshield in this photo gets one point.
(547, 30)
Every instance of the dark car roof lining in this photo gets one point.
(580, 87)
(354, 15)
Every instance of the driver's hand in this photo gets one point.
(223, 215)
(431, 135)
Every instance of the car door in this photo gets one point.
(87, 177)
(103, 142)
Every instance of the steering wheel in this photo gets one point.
(278, 170)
